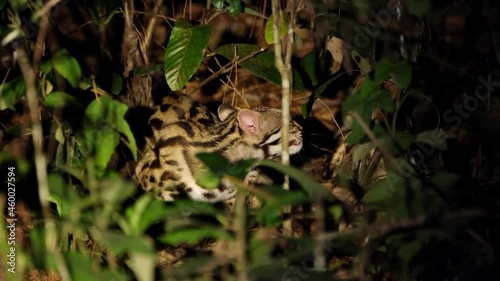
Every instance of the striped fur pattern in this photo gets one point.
(183, 128)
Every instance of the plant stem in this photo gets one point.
(283, 64)
(51, 235)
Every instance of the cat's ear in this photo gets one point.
(249, 121)
(224, 111)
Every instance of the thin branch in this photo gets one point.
(51, 234)
(152, 24)
(226, 68)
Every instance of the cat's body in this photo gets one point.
(182, 128)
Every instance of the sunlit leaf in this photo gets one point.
(269, 29)
(61, 99)
(185, 50)
(68, 67)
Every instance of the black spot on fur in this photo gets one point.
(152, 179)
(189, 189)
(145, 166)
(171, 141)
(156, 123)
(209, 195)
(206, 121)
(221, 187)
(164, 107)
(172, 162)
(186, 127)
(155, 164)
(168, 175)
(193, 111)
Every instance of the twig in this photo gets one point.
(241, 232)
(151, 24)
(43, 12)
(283, 64)
(51, 235)
(226, 68)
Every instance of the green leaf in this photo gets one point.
(337, 211)
(116, 84)
(310, 65)
(262, 64)
(271, 213)
(68, 67)
(60, 99)
(119, 243)
(234, 8)
(194, 235)
(206, 178)
(402, 74)
(146, 211)
(308, 183)
(418, 8)
(218, 165)
(10, 92)
(379, 192)
(269, 29)
(104, 125)
(184, 52)
(82, 268)
(218, 4)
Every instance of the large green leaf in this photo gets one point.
(184, 52)
(262, 64)
(68, 67)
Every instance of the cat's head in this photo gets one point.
(262, 126)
